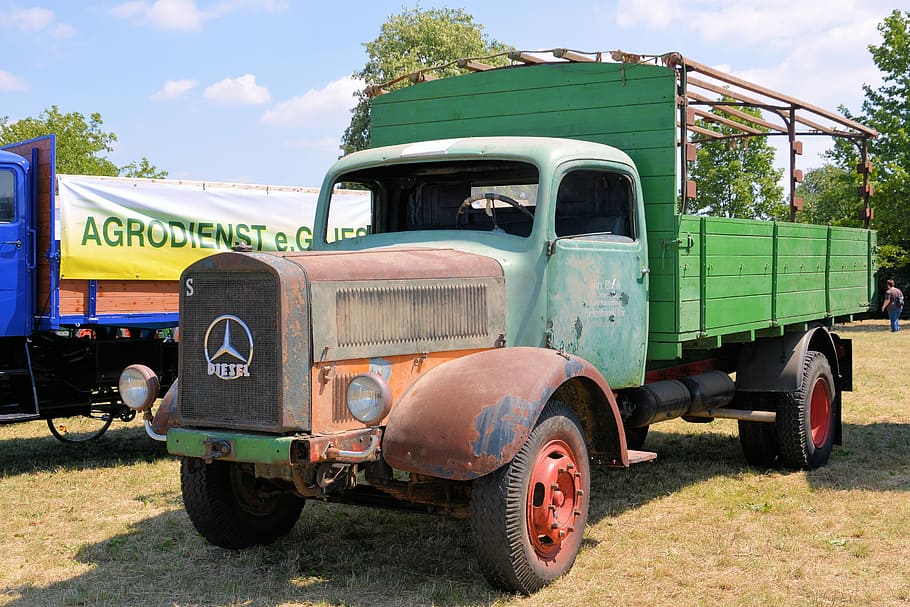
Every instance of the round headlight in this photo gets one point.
(139, 387)
(369, 398)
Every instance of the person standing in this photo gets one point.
(894, 304)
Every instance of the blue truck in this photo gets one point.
(63, 342)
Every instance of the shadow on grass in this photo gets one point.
(345, 555)
(118, 446)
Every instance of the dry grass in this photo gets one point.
(104, 525)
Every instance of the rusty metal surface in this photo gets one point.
(288, 336)
(330, 382)
(331, 447)
(400, 264)
(470, 416)
(370, 318)
(166, 415)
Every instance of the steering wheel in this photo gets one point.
(491, 196)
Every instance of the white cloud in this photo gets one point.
(185, 15)
(173, 89)
(655, 14)
(238, 91)
(31, 19)
(332, 103)
(10, 82)
(35, 20)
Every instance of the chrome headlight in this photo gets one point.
(139, 387)
(369, 398)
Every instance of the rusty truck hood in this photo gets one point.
(394, 264)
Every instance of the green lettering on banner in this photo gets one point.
(206, 232)
(281, 241)
(307, 242)
(117, 241)
(243, 233)
(135, 227)
(174, 226)
(153, 240)
(259, 230)
(224, 236)
(90, 232)
(192, 233)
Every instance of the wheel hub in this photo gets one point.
(553, 497)
(820, 412)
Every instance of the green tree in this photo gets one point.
(412, 40)
(81, 142)
(830, 196)
(736, 177)
(887, 109)
(142, 168)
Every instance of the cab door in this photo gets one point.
(15, 288)
(597, 275)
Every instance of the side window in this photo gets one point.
(595, 202)
(7, 197)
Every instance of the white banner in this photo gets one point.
(151, 229)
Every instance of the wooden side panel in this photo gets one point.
(119, 297)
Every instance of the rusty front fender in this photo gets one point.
(470, 416)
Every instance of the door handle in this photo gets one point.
(18, 243)
(646, 270)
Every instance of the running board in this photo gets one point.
(638, 457)
(15, 418)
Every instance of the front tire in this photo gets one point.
(529, 516)
(806, 417)
(231, 508)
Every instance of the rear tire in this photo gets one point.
(758, 439)
(229, 507)
(529, 516)
(806, 417)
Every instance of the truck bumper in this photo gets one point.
(351, 447)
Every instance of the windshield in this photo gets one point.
(482, 195)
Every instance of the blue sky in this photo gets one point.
(259, 91)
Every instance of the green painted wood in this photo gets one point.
(709, 277)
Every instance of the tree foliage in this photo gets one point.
(830, 196)
(886, 109)
(81, 143)
(736, 177)
(412, 40)
(142, 168)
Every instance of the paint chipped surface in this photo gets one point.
(502, 427)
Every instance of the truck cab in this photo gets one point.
(564, 218)
(17, 262)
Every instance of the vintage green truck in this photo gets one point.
(530, 296)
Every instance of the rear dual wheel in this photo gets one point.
(806, 417)
(529, 516)
(803, 435)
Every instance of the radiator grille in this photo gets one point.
(370, 316)
(340, 411)
(252, 401)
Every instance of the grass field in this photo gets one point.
(103, 524)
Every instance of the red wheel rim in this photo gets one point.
(554, 497)
(820, 412)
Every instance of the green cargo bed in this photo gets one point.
(712, 279)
